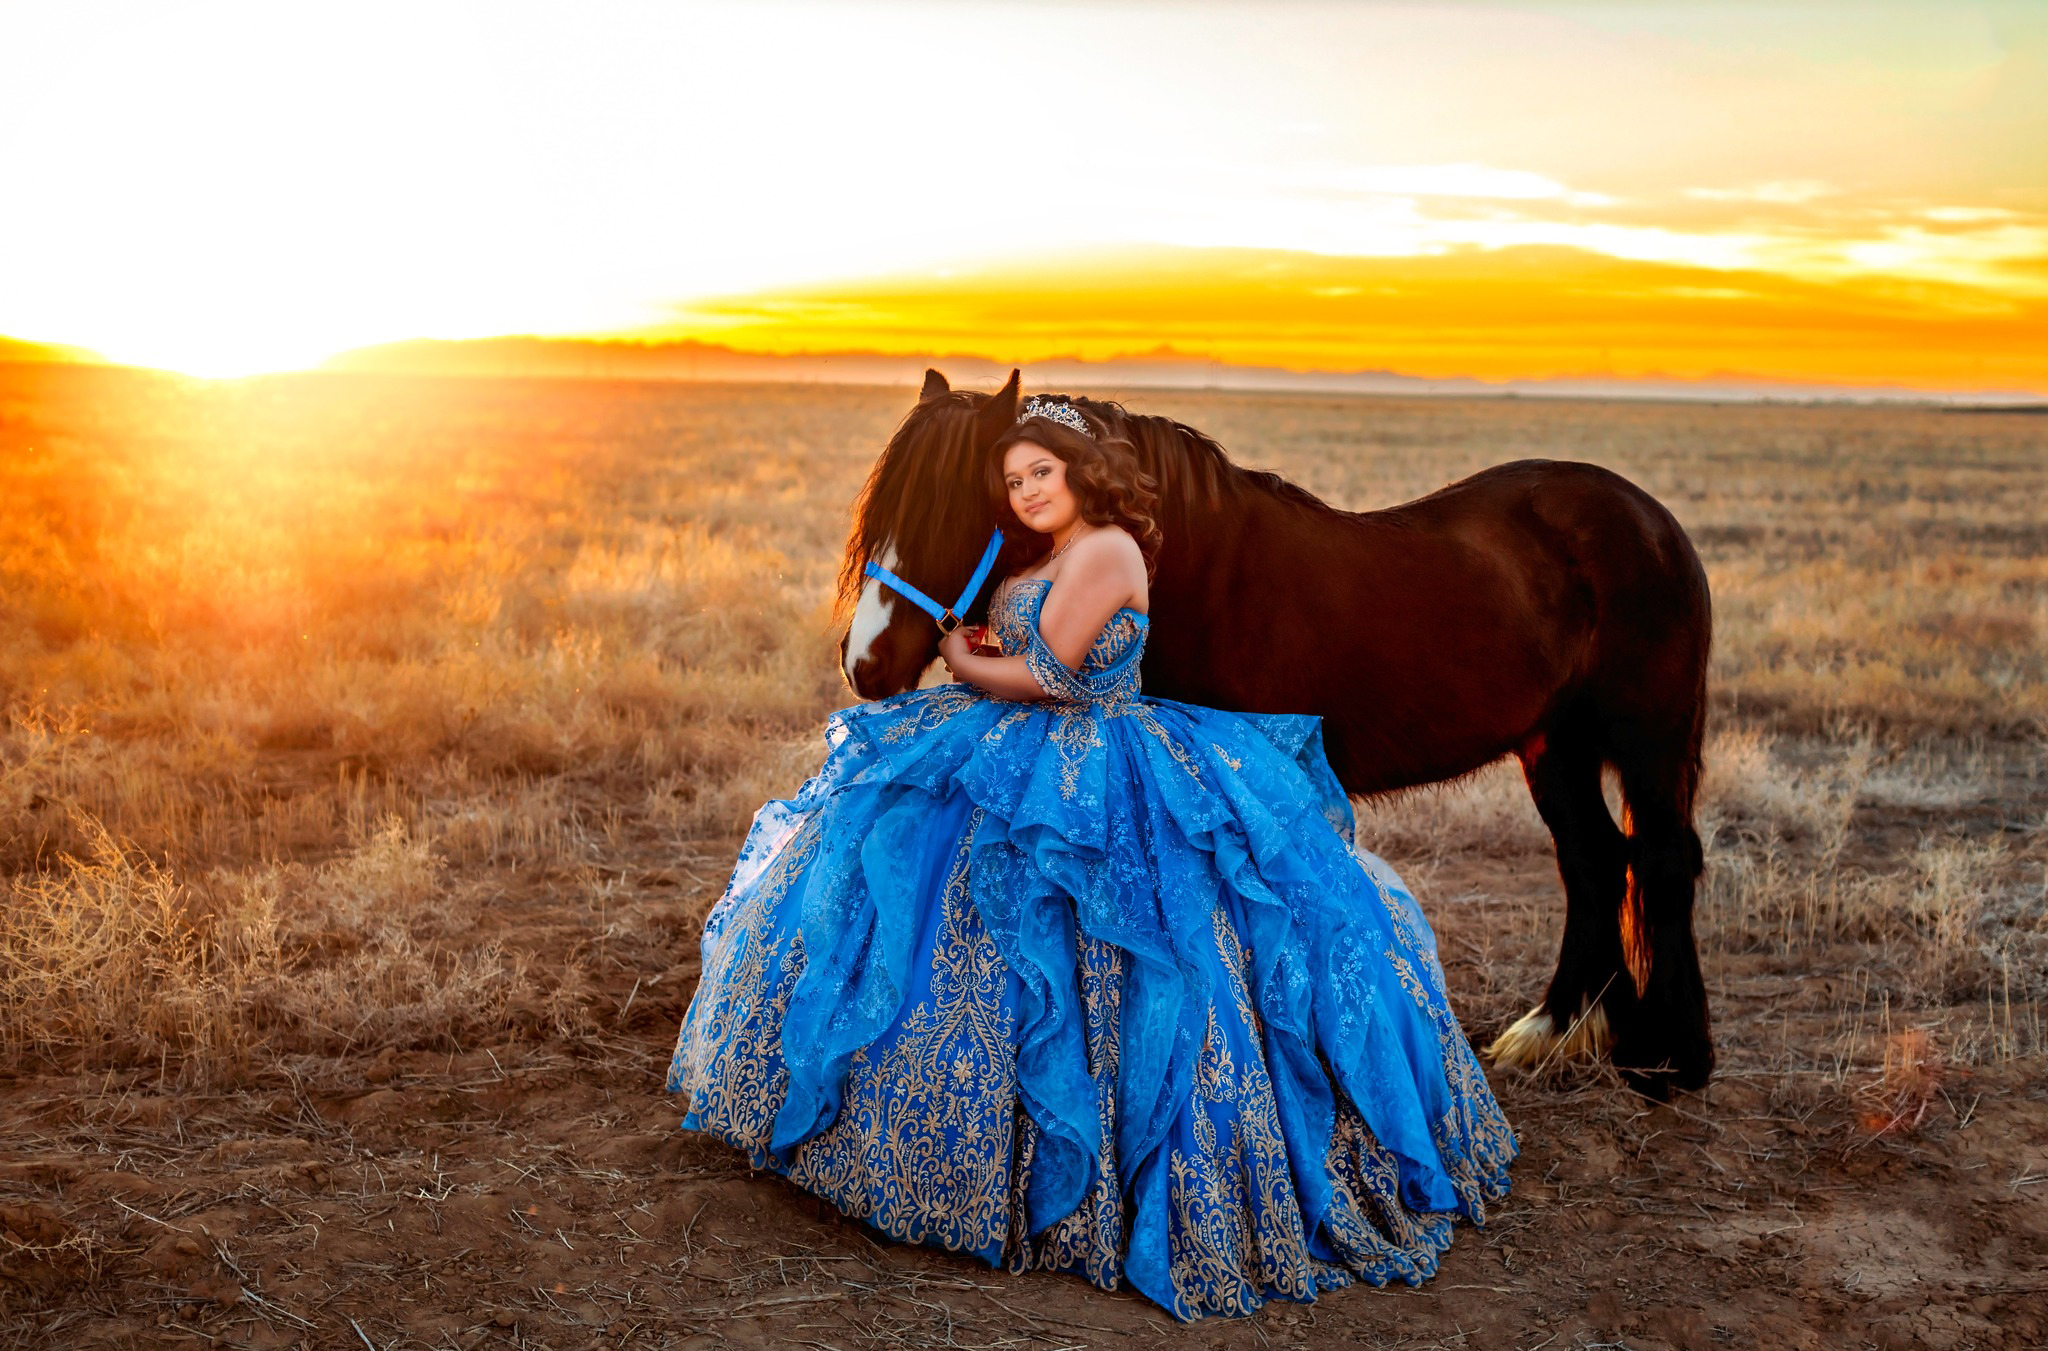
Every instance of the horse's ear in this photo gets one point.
(934, 385)
(998, 413)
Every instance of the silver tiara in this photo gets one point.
(1058, 410)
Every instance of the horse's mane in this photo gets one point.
(1192, 469)
(929, 471)
(926, 472)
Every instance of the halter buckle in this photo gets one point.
(948, 622)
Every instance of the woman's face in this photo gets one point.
(1037, 481)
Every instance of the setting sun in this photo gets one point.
(250, 188)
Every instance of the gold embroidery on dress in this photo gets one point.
(1007, 618)
(930, 1144)
(1475, 1143)
(1367, 1221)
(932, 710)
(1149, 720)
(1215, 1076)
(1236, 1226)
(1074, 733)
(1397, 914)
(921, 1146)
(1076, 711)
(1004, 724)
(1091, 1239)
(1109, 644)
(1409, 982)
(730, 1052)
(1015, 625)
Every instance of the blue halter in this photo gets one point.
(947, 619)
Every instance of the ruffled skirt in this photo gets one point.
(1094, 988)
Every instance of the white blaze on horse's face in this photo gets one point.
(870, 616)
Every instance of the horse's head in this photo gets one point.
(925, 516)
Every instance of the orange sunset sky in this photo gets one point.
(1851, 193)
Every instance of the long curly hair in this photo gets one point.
(1103, 471)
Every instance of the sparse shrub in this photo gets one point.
(104, 957)
(1750, 787)
(1953, 886)
(111, 960)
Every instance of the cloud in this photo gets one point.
(1444, 180)
(1789, 193)
(1967, 215)
(1506, 313)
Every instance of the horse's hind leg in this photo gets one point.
(1669, 1042)
(1591, 992)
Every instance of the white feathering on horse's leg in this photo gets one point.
(1525, 1042)
(1533, 1041)
(1589, 1037)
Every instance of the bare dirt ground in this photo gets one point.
(534, 1192)
(356, 1039)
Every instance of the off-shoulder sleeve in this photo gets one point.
(1055, 677)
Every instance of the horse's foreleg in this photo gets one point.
(1590, 991)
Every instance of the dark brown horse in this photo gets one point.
(1543, 609)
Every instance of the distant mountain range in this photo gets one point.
(691, 360)
(621, 359)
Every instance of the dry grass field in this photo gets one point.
(371, 751)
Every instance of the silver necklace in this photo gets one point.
(1063, 548)
(1007, 585)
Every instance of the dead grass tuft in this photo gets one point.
(111, 960)
(1488, 812)
(1897, 1100)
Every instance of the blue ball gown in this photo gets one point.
(1096, 984)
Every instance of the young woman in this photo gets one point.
(1040, 969)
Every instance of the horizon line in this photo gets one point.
(388, 359)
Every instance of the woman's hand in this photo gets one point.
(1003, 677)
(954, 646)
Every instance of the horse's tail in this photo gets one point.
(1651, 693)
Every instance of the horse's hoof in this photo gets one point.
(1534, 1041)
(1657, 1078)
(1655, 1085)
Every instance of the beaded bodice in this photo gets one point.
(1108, 674)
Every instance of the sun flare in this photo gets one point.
(254, 188)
